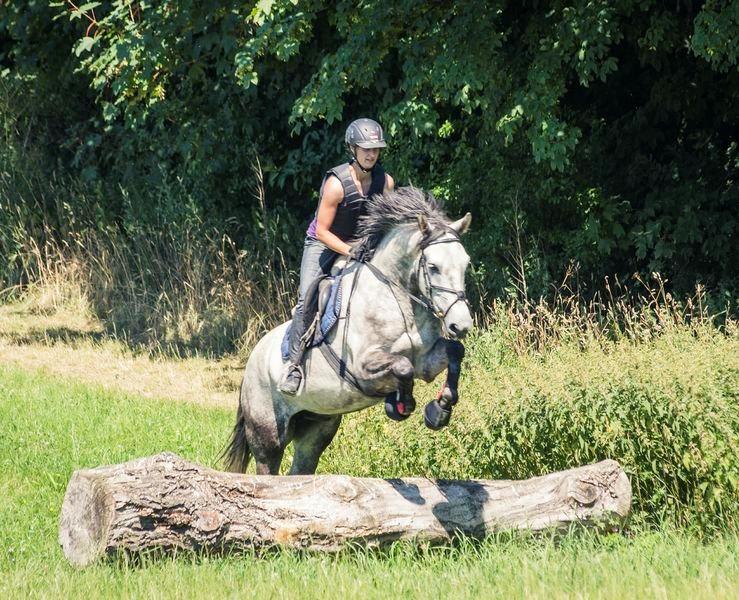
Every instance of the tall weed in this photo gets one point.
(639, 311)
(184, 292)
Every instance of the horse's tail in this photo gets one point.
(237, 454)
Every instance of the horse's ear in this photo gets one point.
(423, 225)
(462, 225)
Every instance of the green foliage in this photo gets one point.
(82, 427)
(716, 34)
(605, 127)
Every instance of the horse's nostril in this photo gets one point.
(459, 332)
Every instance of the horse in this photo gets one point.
(403, 318)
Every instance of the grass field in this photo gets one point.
(49, 427)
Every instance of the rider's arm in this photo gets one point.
(333, 194)
(389, 183)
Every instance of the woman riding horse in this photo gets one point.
(342, 200)
(401, 316)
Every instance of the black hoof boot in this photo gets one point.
(436, 415)
(397, 409)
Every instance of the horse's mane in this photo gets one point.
(398, 207)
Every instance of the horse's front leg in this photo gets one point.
(390, 374)
(455, 354)
(438, 412)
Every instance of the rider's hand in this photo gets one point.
(359, 253)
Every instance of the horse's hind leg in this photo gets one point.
(268, 461)
(313, 434)
(267, 429)
(267, 441)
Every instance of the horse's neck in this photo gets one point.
(395, 257)
(384, 316)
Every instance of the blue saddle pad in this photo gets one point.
(329, 318)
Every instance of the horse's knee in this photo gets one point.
(403, 368)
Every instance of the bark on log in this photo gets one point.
(169, 503)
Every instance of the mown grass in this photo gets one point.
(49, 427)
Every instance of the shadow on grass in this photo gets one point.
(136, 344)
(54, 335)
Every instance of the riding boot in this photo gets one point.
(292, 376)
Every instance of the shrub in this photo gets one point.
(666, 409)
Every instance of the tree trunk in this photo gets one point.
(168, 503)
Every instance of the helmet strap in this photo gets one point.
(354, 160)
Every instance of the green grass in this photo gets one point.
(650, 566)
(49, 427)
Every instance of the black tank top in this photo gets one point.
(354, 203)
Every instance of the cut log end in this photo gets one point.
(85, 520)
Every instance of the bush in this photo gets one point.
(667, 413)
(666, 409)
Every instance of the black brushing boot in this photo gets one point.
(396, 409)
(437, 413)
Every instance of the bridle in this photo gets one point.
(428, 297)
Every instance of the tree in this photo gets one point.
(605, 130)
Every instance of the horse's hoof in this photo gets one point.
(399, 410)
(435, 416)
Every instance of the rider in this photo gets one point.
(344, 192)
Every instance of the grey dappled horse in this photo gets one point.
(407, 314)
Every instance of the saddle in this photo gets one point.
(321, 311)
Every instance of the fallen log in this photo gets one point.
(168, 503)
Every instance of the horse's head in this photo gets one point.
(413, 237)
(441, 267)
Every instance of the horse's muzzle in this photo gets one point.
(457, 332)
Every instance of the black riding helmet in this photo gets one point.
(366, 134)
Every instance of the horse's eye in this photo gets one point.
(434, 269)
